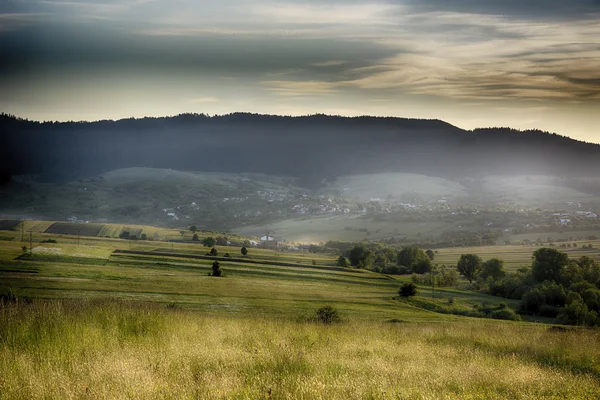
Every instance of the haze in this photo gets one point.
(474, 64)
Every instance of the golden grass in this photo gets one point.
(121, 350)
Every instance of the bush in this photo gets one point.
(227, 255)
(244, 251)
(343, 262)
(195, 238)
(408, 290)
(214, 252)
(505, 314)
(327, 315)
(49, 241)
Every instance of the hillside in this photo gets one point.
(311, 147)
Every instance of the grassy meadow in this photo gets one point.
(116, 349)
(101, 324)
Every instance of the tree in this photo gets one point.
(216, 269)
(469, 266)
(342, 262)
(494, 269)
(408, 289)
(414, 259)
(195, 238)
(360, 256)
(548, 264)
(214, 252)
(430, 254)
(222, 240)
(193, 228)
(209, 242)
(144, 237)
(244, 251)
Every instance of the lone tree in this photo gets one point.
(342, 262)
(244, 251)
(548, 264)
(209, 242)
(430, 254)
(193, 228)
(214, 252)
(216, 269)
(469, 266)
(408, 289)
(195, 238)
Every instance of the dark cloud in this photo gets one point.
(553, 9)
(58, 46)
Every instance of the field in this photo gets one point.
(66, 228)
(106, 324)
(121, 350)
(513, 256)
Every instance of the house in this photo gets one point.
(270, 242)
(564, 221)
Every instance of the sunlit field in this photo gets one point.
(116, 349)
(89, 322)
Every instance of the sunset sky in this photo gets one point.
(517, 63)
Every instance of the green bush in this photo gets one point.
(505, 314)
(408, 290)
(327, 315)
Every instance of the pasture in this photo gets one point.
(123, 350)
(106, 324)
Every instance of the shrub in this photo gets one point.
(214, 252)
(227, 255)
(505, 314)
(24, 248)
(49, 241)
(343, 262)
(244, 251)
(195, 238)
(327, 315)
(408, 290)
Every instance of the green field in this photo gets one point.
(513, 256)
(123, 325)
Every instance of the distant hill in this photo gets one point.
(311, 147)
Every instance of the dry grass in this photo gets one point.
(111, 349)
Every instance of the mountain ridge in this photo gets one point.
(312, 147)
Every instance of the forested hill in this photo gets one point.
(311, 147)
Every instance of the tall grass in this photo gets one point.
(117, 349)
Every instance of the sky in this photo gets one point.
(474, 63)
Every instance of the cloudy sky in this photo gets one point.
(473, 63)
